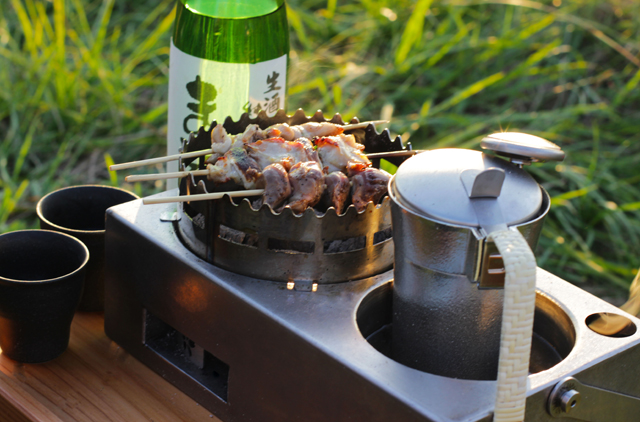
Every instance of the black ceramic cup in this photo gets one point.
(80, 212)
(41, 280)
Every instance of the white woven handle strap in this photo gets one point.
(517, 325)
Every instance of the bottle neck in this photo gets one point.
(249, 40)
(232, 9)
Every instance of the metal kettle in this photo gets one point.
(448, 274)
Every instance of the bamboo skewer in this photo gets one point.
(158, 160)
(363, 125)
(401, 153)
(201, 197)
(193, 154)
(163, 176)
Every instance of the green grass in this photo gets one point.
(85, 82)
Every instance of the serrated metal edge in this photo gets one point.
(331, 211)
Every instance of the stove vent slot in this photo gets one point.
(345, 245)
(290, 246)
(382, 235)
(182, 352)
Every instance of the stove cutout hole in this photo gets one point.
(182, 352)
(382, 235)
(290, 246)
(553, 332)
(345, 245)
(238, 237)
(611, 325)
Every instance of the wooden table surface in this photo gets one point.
(93, 380)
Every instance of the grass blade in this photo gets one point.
(413, 31)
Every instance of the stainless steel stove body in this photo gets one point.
(258, 350)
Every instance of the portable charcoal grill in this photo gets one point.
(318, 246)
(268, 344)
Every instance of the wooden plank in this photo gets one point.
(8, 413)
(94, 380)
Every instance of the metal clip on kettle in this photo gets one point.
(457, 215)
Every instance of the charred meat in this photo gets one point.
(306, 130)
(276, 185)
(221, 141)
(310, 149)
(337, 192)
(307, 185)
(369, 184)
(277, 150)
(236, 165)
(340, 153)
(295, 171)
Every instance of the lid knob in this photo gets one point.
(522, 148)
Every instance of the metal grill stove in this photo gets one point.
(302, 346)
(255, 350)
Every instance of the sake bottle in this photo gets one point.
(227, 57)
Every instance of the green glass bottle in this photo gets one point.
(227, 57)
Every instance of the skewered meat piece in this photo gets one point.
(250, 135)
(222, 142)
(236, 165)
(277, 150)
(369, 184)
(310, 149)
(337, 191)
(340, 153)
(307, 184)
(276, 185)
(306, 130)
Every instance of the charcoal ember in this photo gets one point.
(346, 245)
(237, 236)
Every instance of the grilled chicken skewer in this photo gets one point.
(304, 187)
(307, 184)
(264, 152)
(235, 165)
(244, 138)
(292, 172)
(221, 141)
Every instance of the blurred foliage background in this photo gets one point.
(84, 84)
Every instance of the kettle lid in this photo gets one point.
(432, 184)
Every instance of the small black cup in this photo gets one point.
(41, 280)
(80, 212)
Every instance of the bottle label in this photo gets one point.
(201, 91)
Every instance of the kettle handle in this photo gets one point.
(517, 324)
